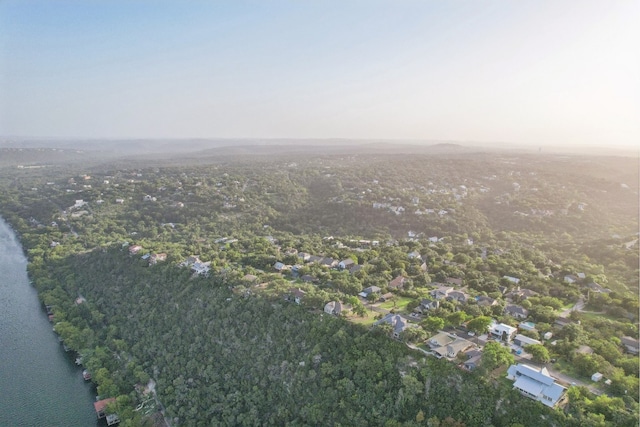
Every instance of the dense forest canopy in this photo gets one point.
(185, 273)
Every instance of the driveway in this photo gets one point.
(579, 306)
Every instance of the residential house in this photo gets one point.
(308, 278)
(279, 266)
(474, 357)
(305, 256)
(101, 405)
(387, 297)
(520, 294)
(502, 332)
(196, 265)
(441, 339)
(295, 270)
(631, 344)
(459, 296)
(296, 294)
(441, 292)
(526, 293)
(329, 262)
(397, 283)
(201, 268)
(523, 340)
(536, 384)
(448, 345)
(134, 249)
(398, 323)
(192, 259)
(315, 258)
(333, 307)
(512, 279)
(155, 258)
(414, 255)
(370, 290)
(346, 264)
(452, 349)
(428, 304)
(584, 349)
(485, 301)
(516, 311)
(570, 278)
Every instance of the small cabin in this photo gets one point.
(101, 405)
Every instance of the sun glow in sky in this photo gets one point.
(527, 72)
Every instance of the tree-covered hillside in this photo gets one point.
(187, 275)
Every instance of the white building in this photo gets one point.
(536, 384)
(502, 331)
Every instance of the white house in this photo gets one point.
(523, 340)
(201, 268)
(502, 331)
(512, 279)
(333, 307)
(536, 384)
(346, 263)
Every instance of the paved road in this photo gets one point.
(579, 306)
(562, 378)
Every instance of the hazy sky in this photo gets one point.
(540, 72)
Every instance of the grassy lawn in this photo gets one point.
(400, 303)
(365, 320)
(596, 316)
(567, 368)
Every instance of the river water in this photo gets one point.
(39, 383)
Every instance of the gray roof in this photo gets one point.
(371, 290)
(536, 383)
(441, 339)
(525, 340)
(516, 309)
(398, 322)
(541, 376)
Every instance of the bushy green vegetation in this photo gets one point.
(227, 348)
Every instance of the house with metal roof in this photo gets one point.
(536, 384)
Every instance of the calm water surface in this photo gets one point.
(39, 383)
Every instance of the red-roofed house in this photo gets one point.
(101, 405)
(397, 283)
